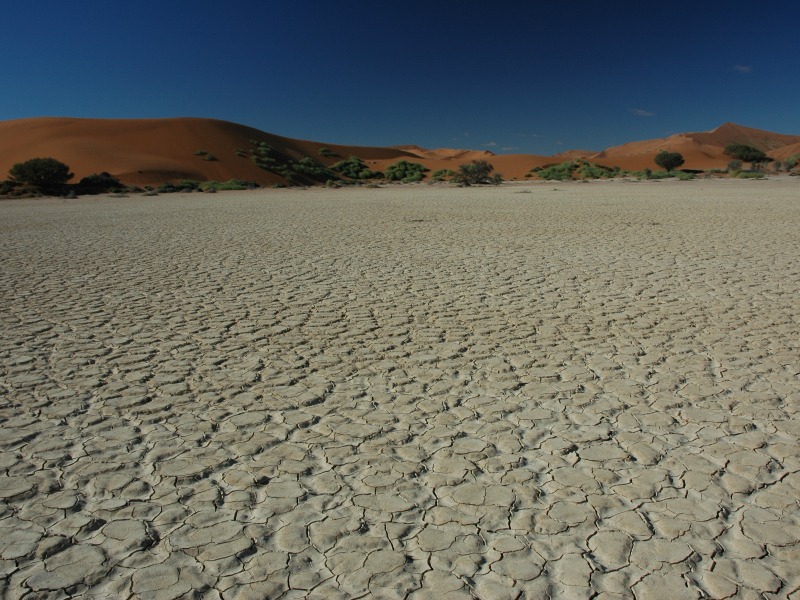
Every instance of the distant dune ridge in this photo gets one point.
(154, 151)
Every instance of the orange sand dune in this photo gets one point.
(703, 150)
(448, 153)
(731, 133)
(153, 151)
(785, 152)
(571, 154)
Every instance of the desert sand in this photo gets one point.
(155, 151)
(579, 391)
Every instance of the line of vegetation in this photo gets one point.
(476, 172)
(296, 172)
(406, 172)
(442, 175)
(48, 176)
(577, 169)
(746, 153)
(354, 168)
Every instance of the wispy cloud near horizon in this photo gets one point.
(640, 112)
(746, 69)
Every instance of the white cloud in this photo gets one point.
(743, 69)
(640, 112)
(490, 144)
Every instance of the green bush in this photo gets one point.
(734, 165)
(589, 170)
(750, 175)
(354, 168)
(475, 172)
(311, 168)
(7, 186)
(327, 152)
(184, 186)
(42, 173)
(669, 160)
(442, 174)
(405, 171)
(560, 172)
(230, 185)
(747, 153)
(661, 174)
(684, 176)
(99, 183)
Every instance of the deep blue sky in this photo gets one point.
(508, 76)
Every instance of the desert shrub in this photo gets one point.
(7, 186)
(684, 176)
(750, 175)
(669, 160)
(442, 174)
(560, 172)
(327, 152)
(43, 173)
(661, 174)
(99, 183)
(589, 170)
(354, 168)
(188, 185)
(264, 162)
(792, 161)
(229, 185)
(475, 172)
(205, 155)
(267, 158)
(405, 171)
(747, 153)
(311, 168)
(734, 165)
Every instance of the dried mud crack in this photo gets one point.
(403, 393)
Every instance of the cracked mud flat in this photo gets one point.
(403, 393)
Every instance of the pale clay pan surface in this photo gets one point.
(414, 392)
